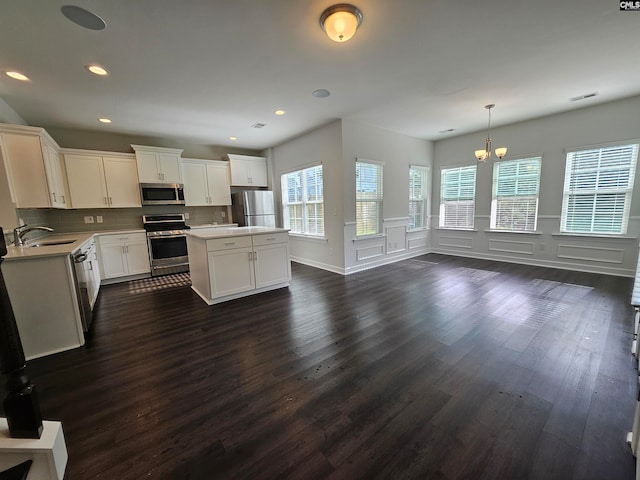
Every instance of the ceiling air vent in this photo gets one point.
(582, 97)
(258, 125)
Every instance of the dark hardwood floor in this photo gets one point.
(431, 368)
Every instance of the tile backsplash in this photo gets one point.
(66, 221)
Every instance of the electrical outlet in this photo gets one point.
(186, 215)
(88, 219)
(99, 219)
(223, 214)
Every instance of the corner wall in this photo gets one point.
(548, 136)
(396, 152)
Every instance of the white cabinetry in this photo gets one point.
(157, 164)
(122, 255)
(235, 266)
(206, 182)
(102, 179)
(247, 171)
(33, 167)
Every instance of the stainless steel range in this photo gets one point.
(167, 243)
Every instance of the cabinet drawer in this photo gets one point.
(115, 239)
(269, 238)
(228, 243)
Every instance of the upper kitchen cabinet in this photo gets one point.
(102, 179)
(247, 171)
(34, 167)
(206, 182)
(157, 164)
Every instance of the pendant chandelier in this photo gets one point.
(483, 155)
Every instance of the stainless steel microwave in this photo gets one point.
(162, 193)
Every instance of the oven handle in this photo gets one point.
(156, 237)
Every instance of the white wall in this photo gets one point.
(549, 136)
(9, 115)
(323, 145)
(396, 152)
(337, 145)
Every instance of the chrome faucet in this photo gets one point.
(21, 231)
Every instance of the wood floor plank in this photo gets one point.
(435, 367)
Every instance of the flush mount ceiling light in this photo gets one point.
(279, 112)
(83, 18)
(321, 93)
(232, 138)
(341, 21)
(483, 155)
(97, 70)
(18, 76)
(104, 120)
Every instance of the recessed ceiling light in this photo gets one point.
(96, 69)
(83, 18)
(279, 112)
(18, 76)
(233, 138)
(104, 120)
(321, 93)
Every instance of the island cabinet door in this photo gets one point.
(231, 272)
(272, 265)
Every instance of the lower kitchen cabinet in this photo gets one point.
(122, 255)
(232, 267)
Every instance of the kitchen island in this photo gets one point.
(228, 263)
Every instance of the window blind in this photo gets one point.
(597, 190)
(417, 196)
(303, 201)
(368, 198)
(457, 197)
(516, 184)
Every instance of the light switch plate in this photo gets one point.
(99, 219)
(88, 219)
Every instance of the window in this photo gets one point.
(516, 183)
(457, 197)
(368, 198)
(597, 190)
(303, 201)
(417, 196)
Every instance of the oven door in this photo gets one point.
(168, 254)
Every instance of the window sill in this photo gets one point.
(369, 237)
(421, 229)
(519, 232)
(450, 229)
(313, 238)
(612, 236)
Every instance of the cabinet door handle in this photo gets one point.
(54, 197)
(62, 197)
(229, 243)
(90, 266)
(250, 256)
(106, 200)
(255, 255)
(110, 201)
(250, 180)
(271, 238)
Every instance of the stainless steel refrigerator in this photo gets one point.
(253, 208)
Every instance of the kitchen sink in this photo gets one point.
(51, 243)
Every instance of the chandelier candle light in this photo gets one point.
(483, 155)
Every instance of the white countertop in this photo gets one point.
(28, 252)
(214, 225)
(208, 233)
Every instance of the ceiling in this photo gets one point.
(205, 70)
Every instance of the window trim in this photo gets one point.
(425, 198)
(628, 192)
(494, 194)
(441, 215)
(379, 201)
(304, 201)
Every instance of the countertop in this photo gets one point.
(79, 238)
(214, 225)
(209, 233)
